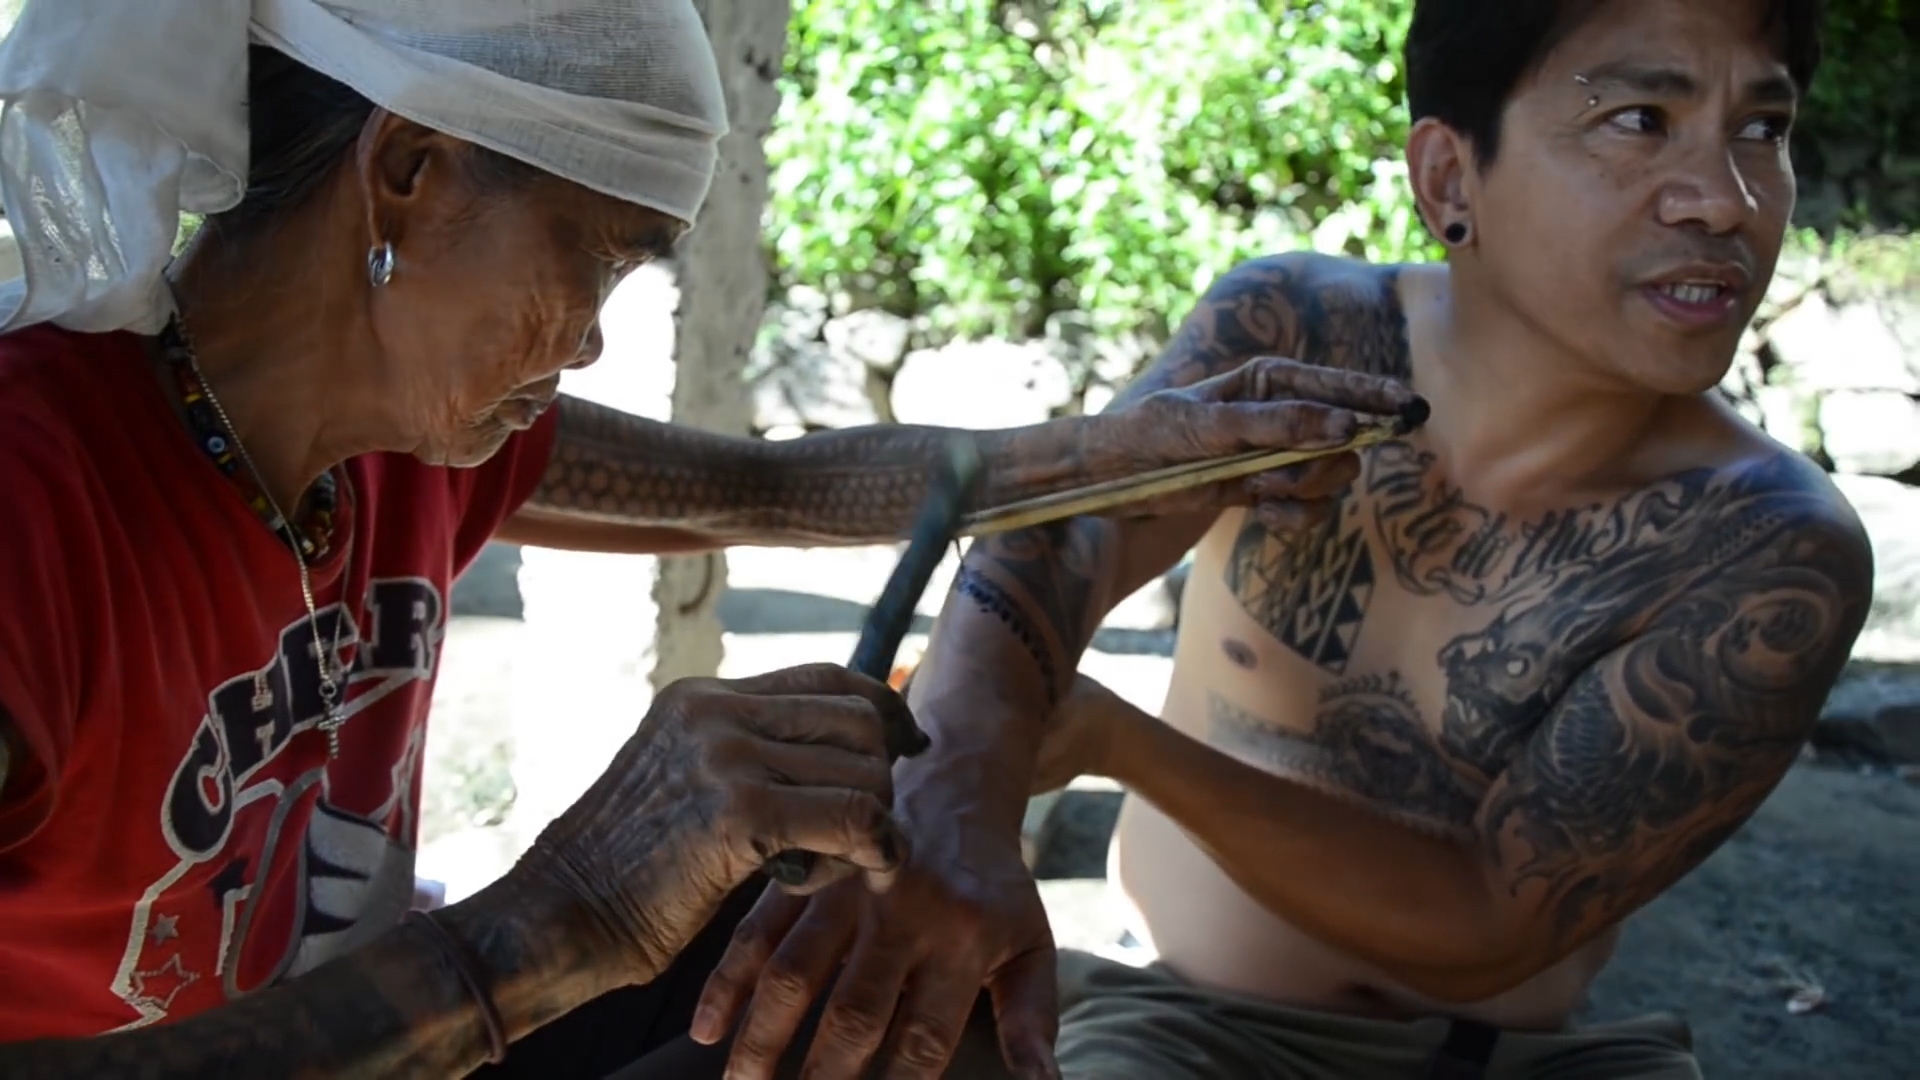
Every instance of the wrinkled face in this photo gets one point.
(496, 289)
(1642, 189)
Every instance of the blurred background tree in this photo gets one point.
(984, 166)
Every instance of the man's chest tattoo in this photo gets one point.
(1309, 589)
(1545, 596)
(1441, 543)
(1367, 743)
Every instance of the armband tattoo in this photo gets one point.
(997, 602)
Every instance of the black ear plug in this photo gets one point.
(1456, 232)
(1413, 414)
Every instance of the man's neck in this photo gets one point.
(1518, 410)
(275, 349)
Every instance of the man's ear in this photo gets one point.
(1441, 167)
(400, 166)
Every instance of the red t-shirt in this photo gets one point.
(176, 836)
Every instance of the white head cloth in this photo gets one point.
(117, 115)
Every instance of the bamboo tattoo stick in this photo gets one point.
(1097, 498)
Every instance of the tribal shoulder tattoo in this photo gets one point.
(1046, 581)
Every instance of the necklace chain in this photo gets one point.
(328, 661)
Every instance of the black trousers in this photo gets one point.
(640, 1032)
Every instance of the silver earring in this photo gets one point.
(380, 264)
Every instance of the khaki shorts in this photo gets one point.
(1125, 1023)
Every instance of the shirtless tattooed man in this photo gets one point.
(1425, 749)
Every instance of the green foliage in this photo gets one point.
(1858, 143)
(981, 166)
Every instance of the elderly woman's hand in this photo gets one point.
(721, 776)
(1269, 403)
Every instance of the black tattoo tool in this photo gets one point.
(1102, 497)
(891, 616)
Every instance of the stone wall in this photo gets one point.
(1831, 367)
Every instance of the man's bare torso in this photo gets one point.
(1401, 654)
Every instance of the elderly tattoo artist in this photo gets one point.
(238, 485)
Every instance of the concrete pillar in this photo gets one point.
(723, 285)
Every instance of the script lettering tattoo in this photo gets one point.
(1443, 543)
(1367, 744)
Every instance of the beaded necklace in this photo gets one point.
(217, 440)
(214, 432)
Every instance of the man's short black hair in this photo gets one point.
(1465, 58)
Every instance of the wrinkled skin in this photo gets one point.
(720, 776)
(499, 273)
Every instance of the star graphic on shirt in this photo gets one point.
(165, 929)
(157, 988)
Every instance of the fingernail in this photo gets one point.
(706, 1025)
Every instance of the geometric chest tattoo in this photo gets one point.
(1309, 589)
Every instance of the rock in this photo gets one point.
(1873, 716)
(1900, 727)
(10, 267)
(1791, 415)
(809, 385)
(491, 585)
(1889, 510)
(1175, 582)
(1876, 432)
(1150, 607)
(800, 378)
(981, 385)
(873, 337)
(1856, 346)
(1745, 383)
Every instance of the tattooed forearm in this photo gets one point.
(610, 466)
(857, 485)
(396, 1008)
